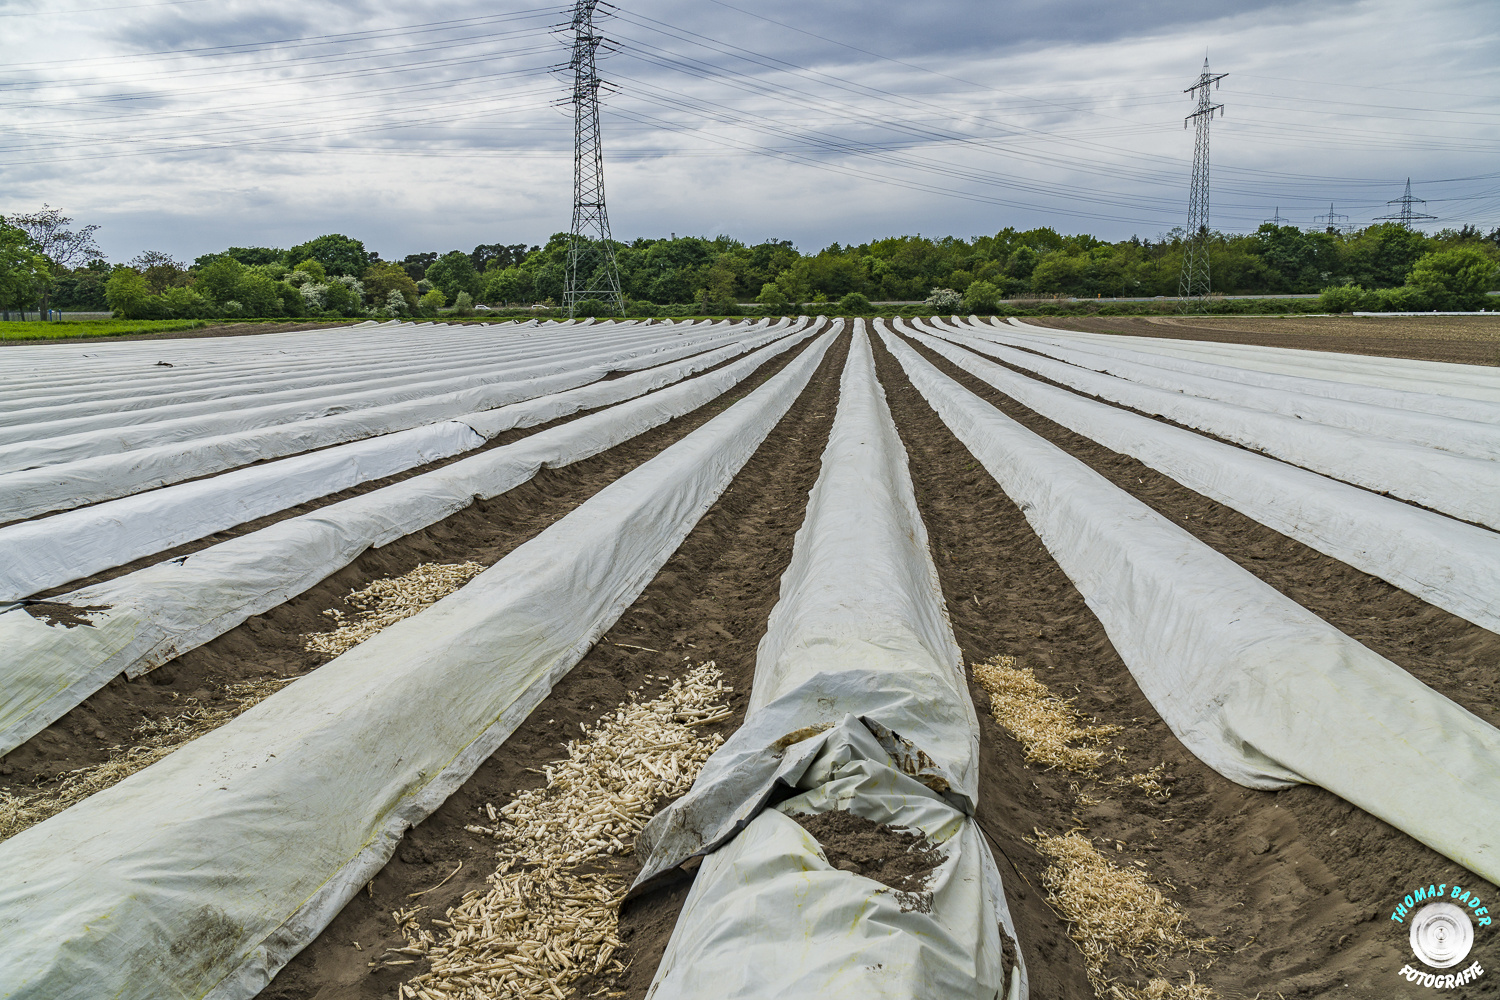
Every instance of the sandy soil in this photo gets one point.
(1469, 340)
(1295, 886)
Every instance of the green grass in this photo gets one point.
(94, 328)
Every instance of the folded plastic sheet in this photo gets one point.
(1457, 485)
(65, 485)
(859, 703)
(144, 619)
(1473, 438)
(1448, 563)
(1440, 377)
(201, 875)
(1256, 686)
(1041, 338)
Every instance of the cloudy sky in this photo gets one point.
(191, 125)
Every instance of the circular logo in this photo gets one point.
(1441, 935)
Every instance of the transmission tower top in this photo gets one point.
(1333, 222)
(1199, 90)
(1406, 216)
(1276, 219)
(592, 273)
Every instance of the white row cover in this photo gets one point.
(1396, 399)
(76, 437)
(1256, 686)
(1446, 433)
(859, 703)
(1448, 563)
(154, 614)
(105, 477)
(1464, 487)
(201, 875)
(1439, 377)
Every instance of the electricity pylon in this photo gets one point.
(1193, 288)
(1406, 216)
(1276, 219)
(592, 272)
(1333, 222)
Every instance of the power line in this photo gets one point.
(1333, 222)
(1406, 216)
(1193, 287)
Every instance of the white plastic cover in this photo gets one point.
(1256, 686)
(859, 704)
(1448, 563)
(201, 875)
(64, 485)
(1440, 377)
(1466, 488)
(148, 617)
(1447, 433)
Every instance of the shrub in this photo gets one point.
(643, 309)
(855, 304)
(126, 293)
(463, 305)
(430, 303)
(184, 303)
(396, 305)
(981, 297)
(772, 298)
(341, 298)
(944, 300)
(1342, 298)
(315, 297)
(1458, 278)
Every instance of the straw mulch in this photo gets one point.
(550, 916)
(386, 602)
(1049, 728)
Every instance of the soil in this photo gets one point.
(901, 859)
(218, 330)
(1467, 340)
(710, 601)
(1295, 886)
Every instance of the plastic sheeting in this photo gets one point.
(145, 618)
(858, 704)
(66, 485)
(1256, 686)
(1446, 433)
(1466, 488)
(1439, 377)
(1448, 563)
(204, 873)
(33, 445)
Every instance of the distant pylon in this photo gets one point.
(1333, 222)
(592, 272)
(1193, 288)
(1406, 216)
(1276, 219)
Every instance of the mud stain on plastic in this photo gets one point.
(66, 615)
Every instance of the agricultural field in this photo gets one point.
(1129, 659)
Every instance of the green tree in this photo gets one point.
(343, 300)
(771, 298)
(511, 285)
(855, 304)
(314, 269)
(1457, 278)
(219, 282)
(24, 270)
(127, 294)
(452, 273)
(1342, 298)
(340, 255)
(463, 304)
(982, 297)
(383, 277)
(432, 302)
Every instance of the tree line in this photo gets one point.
(45, 262)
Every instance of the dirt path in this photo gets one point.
(1295, 885)
(272, 644)
(1467, 340)
(710, 601)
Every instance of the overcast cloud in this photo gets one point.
(192, 125)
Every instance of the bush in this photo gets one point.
(396, 305)
(314, 297)
(126, 293)
(944, 301)
(1458, 278)
(855, 304)
(982, 297)
(1407, 298)
(184, 303)
(342, 299)
(642, 309)
(594, 308)
(771, 298)
(430, 303)
(463, 305)
(1342, 298)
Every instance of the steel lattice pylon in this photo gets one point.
(592, 272)
(1406, 216)
(1194, 286)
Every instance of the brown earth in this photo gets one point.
(1296, 886)
(710, 601)
(1467, 340)
(901, 859)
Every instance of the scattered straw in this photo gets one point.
(386, 602)
(155, 739)
(550, 917)
(1115, 912)
(1049, 728)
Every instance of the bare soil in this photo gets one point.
(901, 859)
(1468, 340)
(217, 330)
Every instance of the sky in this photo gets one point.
(187, 126)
